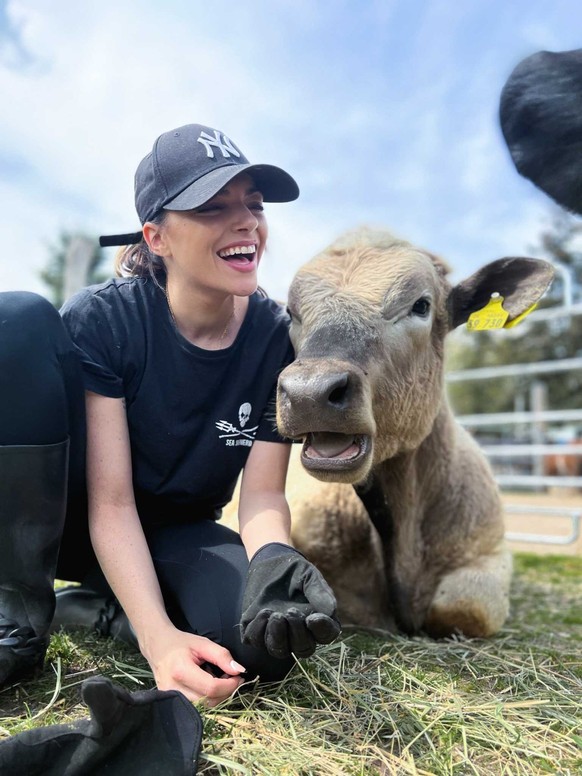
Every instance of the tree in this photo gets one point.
(531, 341)
(74, 262)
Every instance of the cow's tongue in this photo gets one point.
(331, 445)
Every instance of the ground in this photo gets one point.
(379, 704)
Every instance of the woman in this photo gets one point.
(179, 362)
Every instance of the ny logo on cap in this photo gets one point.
(217, 141)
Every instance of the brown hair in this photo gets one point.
(138, 260)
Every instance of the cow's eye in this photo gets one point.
(421, 307)
(293, 315)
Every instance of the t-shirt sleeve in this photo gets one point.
(267, 430)
(98, 343)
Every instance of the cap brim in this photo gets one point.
(274, 184)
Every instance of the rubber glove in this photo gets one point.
(287, 604)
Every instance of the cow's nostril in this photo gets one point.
(337, 389)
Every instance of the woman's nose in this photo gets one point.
(246, 219)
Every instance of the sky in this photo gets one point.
(384, 111)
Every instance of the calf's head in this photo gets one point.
(369, 319)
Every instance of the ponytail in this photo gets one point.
(139, 261)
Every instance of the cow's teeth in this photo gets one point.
(238, 249)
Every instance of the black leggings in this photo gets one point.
(201, 566)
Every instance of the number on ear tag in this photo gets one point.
(492, 316)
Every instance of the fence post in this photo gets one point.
(538, 402)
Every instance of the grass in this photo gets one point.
(379, 704)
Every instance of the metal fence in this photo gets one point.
(535, 419)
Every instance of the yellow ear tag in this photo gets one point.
(492, 316)
(519, 318)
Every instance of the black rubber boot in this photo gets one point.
(82, 607)
(33, 487)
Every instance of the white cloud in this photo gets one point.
(104, 83)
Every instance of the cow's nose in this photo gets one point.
(326, 390)
(335, 388)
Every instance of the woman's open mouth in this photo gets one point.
(332, 451)
(240, 257)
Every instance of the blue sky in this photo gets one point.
(384, 111)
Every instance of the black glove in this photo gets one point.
(287, 605)
(149, 733)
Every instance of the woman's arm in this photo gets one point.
(287, 605)
(263, 510)
(122, 550)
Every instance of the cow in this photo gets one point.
(390, 497)
(564, 464)
(540, 112)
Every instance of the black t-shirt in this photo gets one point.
(192, 413)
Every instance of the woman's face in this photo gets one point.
(217, 246)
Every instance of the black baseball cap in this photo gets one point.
(189, 165)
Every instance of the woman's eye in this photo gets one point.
(257, 206)
(421, 307)
(208, 209)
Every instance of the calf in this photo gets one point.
(403, 516)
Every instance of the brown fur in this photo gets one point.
(564, 464)
(444, 568)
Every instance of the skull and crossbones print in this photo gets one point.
(242, 435)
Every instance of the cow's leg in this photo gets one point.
(473, 599)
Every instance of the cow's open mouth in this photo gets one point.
(330, 450)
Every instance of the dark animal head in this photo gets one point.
(541, 121)
(369, 319)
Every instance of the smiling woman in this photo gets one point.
(179, 360)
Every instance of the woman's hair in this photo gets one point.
(138, 260)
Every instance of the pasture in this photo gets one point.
(375, 703)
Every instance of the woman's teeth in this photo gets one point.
(238, 250)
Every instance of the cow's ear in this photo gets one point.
(521, 283)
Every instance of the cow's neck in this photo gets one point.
(395, 498)
(410, 479)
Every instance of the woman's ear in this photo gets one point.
(153, 234)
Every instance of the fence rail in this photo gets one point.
(509, 418)
(574, 515)
(533, 480)
(515, 370)
(509, 451)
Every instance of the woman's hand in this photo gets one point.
(176, 658)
